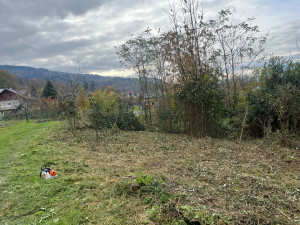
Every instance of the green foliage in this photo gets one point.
(97, 119)
(155, 212)
(68, 107)
(109, 110)
(239, 44)
(275, 101)
(165, 116)
(161, 202)
(123, 188)
(143, 56)
(193, 215)
(8, 80)
(285, 102)
(144, 180)
(107, 101)
(126, 120)
(203, 104)
(147, 184)
(70, 111)
(49, 90)
(191, 58)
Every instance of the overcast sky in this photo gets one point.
(55, 34)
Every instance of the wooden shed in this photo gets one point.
(12, 101)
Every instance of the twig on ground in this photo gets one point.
(26, 213)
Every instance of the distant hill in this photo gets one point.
(25, 72)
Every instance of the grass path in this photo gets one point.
(25, 198)
(16, 145)
(16, 138)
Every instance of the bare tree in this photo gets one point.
(189, 51)
(136, 55)
(239, 45)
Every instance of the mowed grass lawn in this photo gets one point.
(189, 180)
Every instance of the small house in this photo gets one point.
(11, 101)
(151, 99)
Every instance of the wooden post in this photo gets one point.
(26, 113)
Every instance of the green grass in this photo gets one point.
(75, 197)
(25, 198)
(242, 183)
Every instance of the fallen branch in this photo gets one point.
(26, 213)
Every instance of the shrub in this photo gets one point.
(126, 120)
(97, 119)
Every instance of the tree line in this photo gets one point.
(206, 78)
(99, 109)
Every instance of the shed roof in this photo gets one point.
(11, 90)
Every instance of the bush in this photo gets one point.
(274, 104)
(126, 120)
(97, 119)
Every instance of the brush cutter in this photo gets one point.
(47, 172)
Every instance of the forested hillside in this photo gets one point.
(87, 80)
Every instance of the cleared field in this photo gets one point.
(144, 178)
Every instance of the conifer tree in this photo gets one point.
(49, 90)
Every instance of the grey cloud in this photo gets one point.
(52, 33)
(47, 8)
(282, 39)
(40, 32)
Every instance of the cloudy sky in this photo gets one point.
(56, 34)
